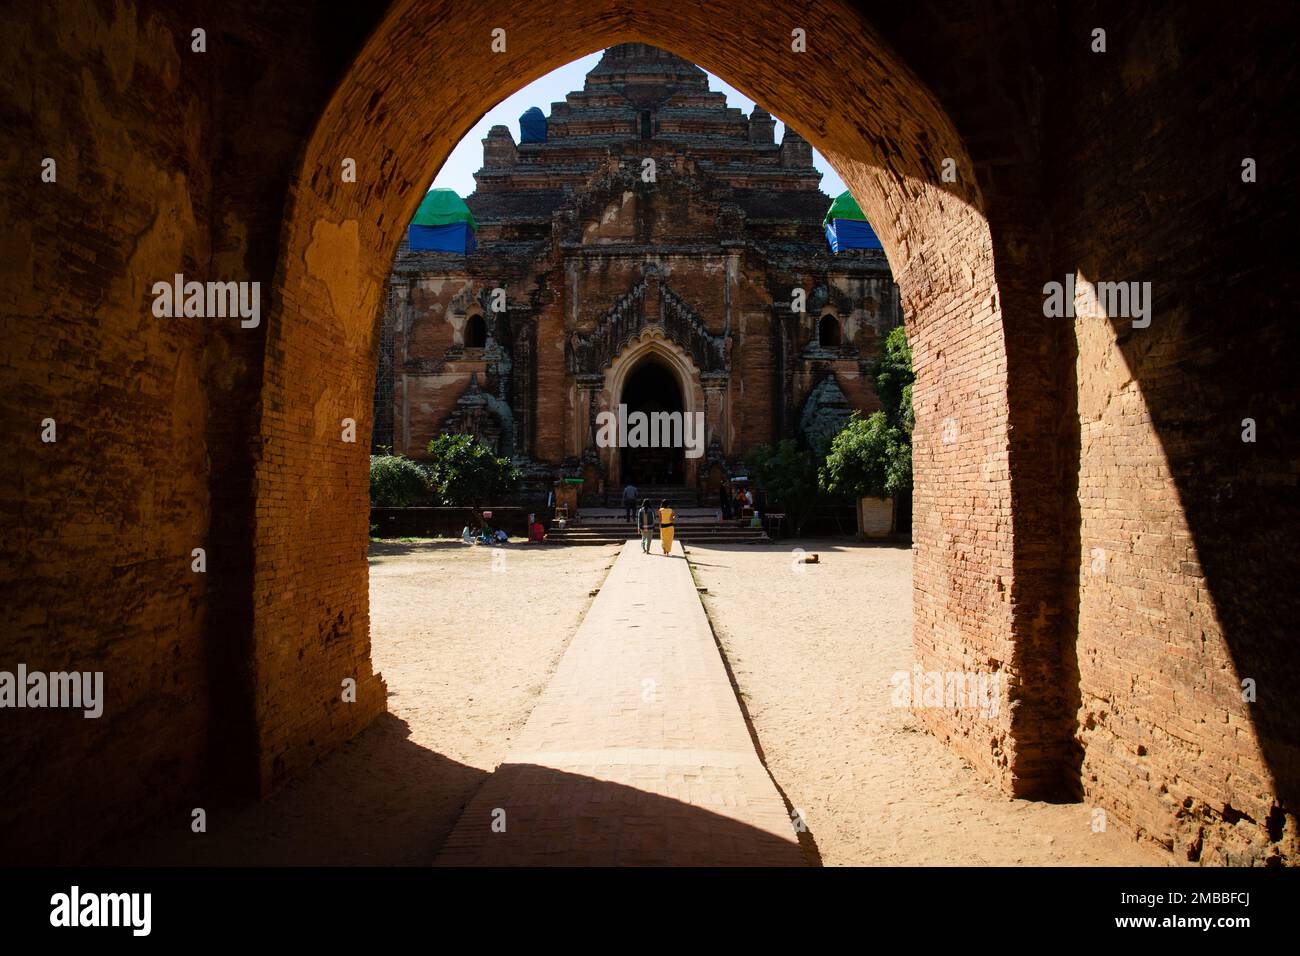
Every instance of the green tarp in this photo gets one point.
(442, 207)
(844, 207)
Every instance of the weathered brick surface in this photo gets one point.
(114, 507)
(1068, 437)
(157, 419)
(1198, 590)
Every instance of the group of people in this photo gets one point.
(485, 535)
(744, 499)
(648, 518)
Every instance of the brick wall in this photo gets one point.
(1197, 590)
(99, 525)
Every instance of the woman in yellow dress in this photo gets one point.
(666, 526)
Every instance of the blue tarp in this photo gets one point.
(532, 126)
(851, 234)
(457, 237)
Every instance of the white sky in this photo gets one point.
(467, 157)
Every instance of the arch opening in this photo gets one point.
(828, 331)
(653, 398)
(934, 234)
(1048, 517)
(475, 332)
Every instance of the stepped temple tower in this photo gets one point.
(643, 245)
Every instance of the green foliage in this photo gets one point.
(906, 418)
(870, 458)
(893, 375)
(788, 475)
(465, 472)
(397, 482)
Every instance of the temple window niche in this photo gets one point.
(828, 331)
(475, 332)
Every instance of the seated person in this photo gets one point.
(466, 535)
(500, 536)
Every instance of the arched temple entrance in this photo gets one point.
(660, 373)
(655, 452)
(884, 132)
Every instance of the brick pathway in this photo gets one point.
(636, 753)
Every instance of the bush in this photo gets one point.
(870, 458)
(397, 482)
(788, 475)
(465, 472)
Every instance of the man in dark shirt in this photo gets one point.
(645, 519)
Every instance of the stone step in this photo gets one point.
(695, 543)
(700, 534)
(629, 531)
(674, 502)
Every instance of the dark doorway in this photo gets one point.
(828, 332)
(475, 332)
(653, 387)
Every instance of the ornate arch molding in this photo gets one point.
(651, 342)
(648, 306)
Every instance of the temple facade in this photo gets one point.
(652, 248)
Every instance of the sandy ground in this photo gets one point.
(465, 651)
(813, 648)
(467, 637)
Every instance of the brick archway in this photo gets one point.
(397, 115)
(1090, 513)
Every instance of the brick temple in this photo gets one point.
(649, 242)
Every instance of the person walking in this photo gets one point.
(645, 519)
(629, 500)
(666, 526)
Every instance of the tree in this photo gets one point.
(397, 482)
(465, 472)
(872, 457)
(894, 378)
(869, 458)
(788, 475)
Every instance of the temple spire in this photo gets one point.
(629, 68)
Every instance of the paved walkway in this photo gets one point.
(636, 753)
